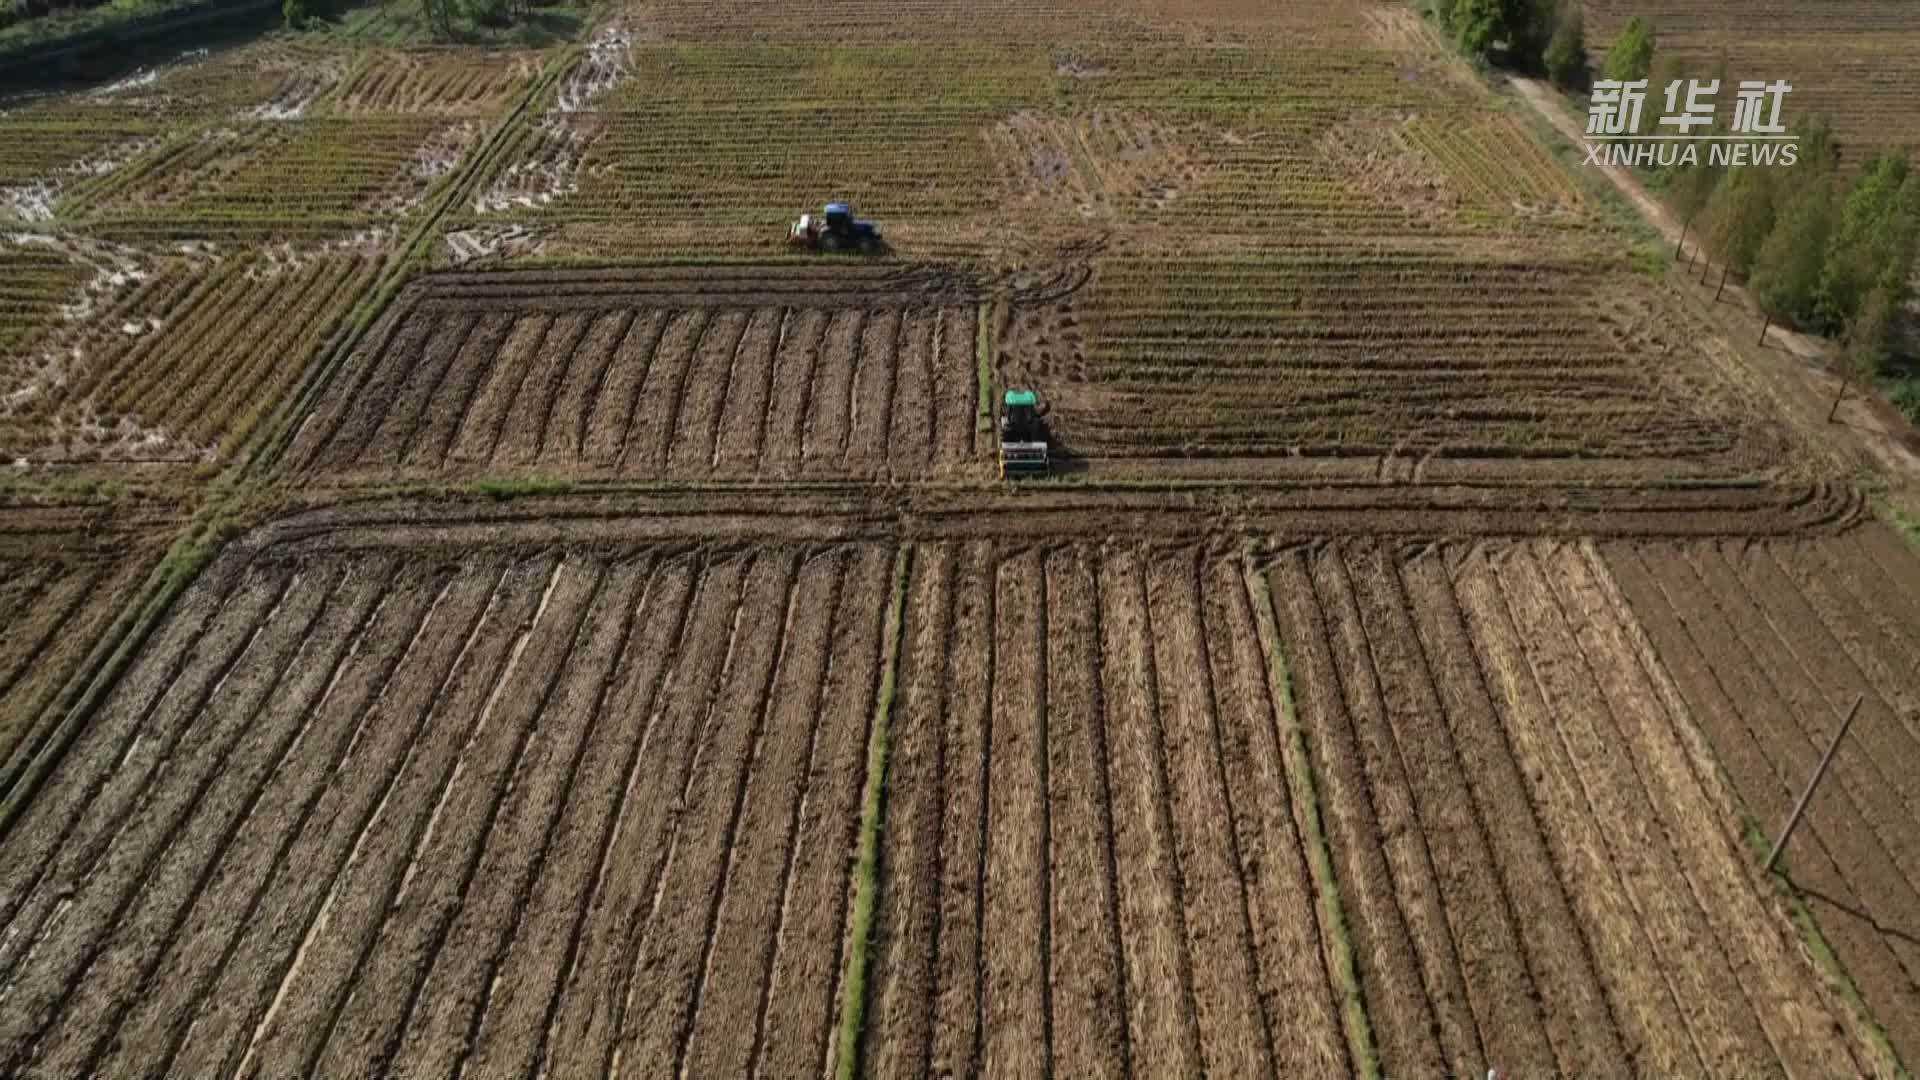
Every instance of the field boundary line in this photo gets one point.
(1306, 798)
(176, 570)
(853, 988)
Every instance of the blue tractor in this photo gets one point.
(834, 229)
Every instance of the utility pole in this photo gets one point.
(1806, 796)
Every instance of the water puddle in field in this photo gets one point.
(145, 77)
(466, 245)
(34, 385)
(548, 167)
(305, 80)
(443, 151)
(29, 202)
(33, 202)
(609, 59)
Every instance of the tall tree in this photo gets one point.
(1689, 192)
(1817, 149)
(1478, 24)
(1865, 245)
(1739, 216)
(439, 16)
(1566, 55)
(1667, 70)
(1902, 240)
(1631, 56)
(1530, 26)
(1786, 271)
(1865, 351)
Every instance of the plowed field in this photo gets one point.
(1540, 859)
(693, 375)
(1092, 864)
(594, 640)
(396, 789)
(64, 577)
(1769, 643)
(365, 814)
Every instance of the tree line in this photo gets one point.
(1821, 249)
(1539, 37)
(439, 16)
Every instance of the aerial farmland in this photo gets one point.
(481, 595)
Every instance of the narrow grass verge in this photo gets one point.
(1306, 797)
(1825, 959)
(507, 488)
(1905, 524)
(985, 362)
(177, 569)
(853, 988)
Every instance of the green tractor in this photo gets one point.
(1023, 435)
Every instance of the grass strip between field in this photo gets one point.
(1306, 798)
(1824, 958)
(508, 488)
(177, 569)
(1905, 524)
(985, 362)
(866, 882)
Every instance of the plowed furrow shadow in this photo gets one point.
(360, 609)
(736, 801)
(790, 845)
(591, 898)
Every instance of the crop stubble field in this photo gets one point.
(1442, 748)
(1418, 364)
(190, 238)
(1848, 61)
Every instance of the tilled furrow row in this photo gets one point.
(356, 814)
(680, 386)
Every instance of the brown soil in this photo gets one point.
(1556, 810)
(654, 375)
(364, 814)
(60, 590)
(1767, 646)
(1064, 884)
(409, 789)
